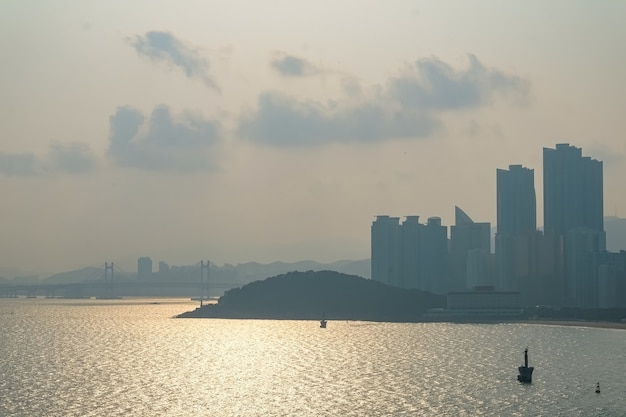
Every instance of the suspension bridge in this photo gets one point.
(110, 282)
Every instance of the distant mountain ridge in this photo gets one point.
(239, 274)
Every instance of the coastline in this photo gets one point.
(578, 323)
(547, 322)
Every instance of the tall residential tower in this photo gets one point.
(517, 219)
(574, 210)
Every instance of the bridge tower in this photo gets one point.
(108, 268)
(203, 266)
(108, 280)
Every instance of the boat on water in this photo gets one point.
(598, 388)
(323, 322)
(525, 371)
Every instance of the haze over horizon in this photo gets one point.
(252, 131)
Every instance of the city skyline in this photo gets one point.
(243, 132)
(566, 264)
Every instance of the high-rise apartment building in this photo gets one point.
(144, 268)
(574, 210)
(517, 223)
(572, 190)
(465, 236)
(411, 232)
(433, 256)
(516, 200)
(385, 250)
(411, 254)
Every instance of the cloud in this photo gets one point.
(164, 47)
(283, 121)
(433, 85)
(164, 143)
(292, 66)
(19, 164)
(409, 106)
(75, 158)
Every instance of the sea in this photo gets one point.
(131, 357)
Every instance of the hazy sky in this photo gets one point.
(241, 131)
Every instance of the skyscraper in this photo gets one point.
(516, 201)
(433, 256)
(411, 254)
(572, 190)
(574, 210)
(465, 236)
(144, 268)
(385, 247)
(411, 232)
(517, 222)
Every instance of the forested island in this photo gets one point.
(311, 295)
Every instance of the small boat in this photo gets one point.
(525, 371)
(323, 322)
(598, 388)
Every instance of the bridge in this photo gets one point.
(104, 284)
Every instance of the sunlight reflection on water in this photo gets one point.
(129, 357)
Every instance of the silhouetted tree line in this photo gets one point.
(309, 295)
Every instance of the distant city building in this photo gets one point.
(516, 224)
(574, 209)
(433, 255)
(479, 268)
(411, 254)
(572, 190)
(411, 232)
(536, 268)
(581, 249)
(164, 271)
(566, 264)
(465, 236)
(481, 303)
(164, 268)
(144, 268)
(483, 298)
(385, 250)
(612, 279)
(516, 200)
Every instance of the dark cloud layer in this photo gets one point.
(409, 107)
(161, 142)
(292, 66)
(165, 47)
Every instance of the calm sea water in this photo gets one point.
(131, 358)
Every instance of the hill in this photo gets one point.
(309, 295)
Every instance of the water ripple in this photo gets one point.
(91, 358)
